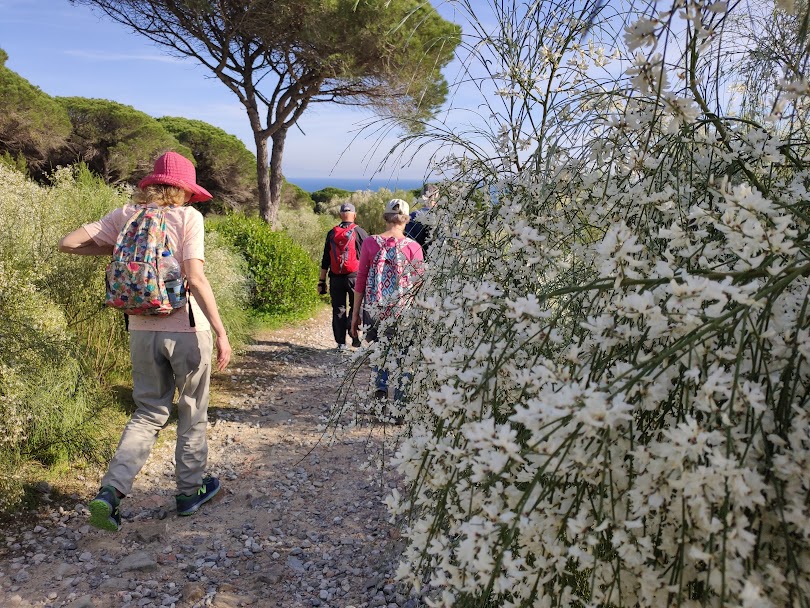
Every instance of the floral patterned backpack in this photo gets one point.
(135, 275)
(390, 276)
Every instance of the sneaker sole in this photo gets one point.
(101, 516)
(196, 507)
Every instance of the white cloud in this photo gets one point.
(98, 56)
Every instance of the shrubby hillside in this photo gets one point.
(225, 167)
(32, 124)
(115, 141)
(118, 142)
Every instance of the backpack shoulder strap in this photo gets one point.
(125, 233)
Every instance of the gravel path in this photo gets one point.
(299, 522)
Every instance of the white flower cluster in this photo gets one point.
(610, 362)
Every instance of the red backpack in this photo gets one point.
(343, 253)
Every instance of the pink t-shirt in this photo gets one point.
(412, 251)
(187, 240)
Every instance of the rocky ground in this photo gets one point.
(299, 522)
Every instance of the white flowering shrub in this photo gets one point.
(608, 356)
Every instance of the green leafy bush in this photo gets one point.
(295, 197)
(228, 274)
(307, 229)
(51, 394)
(14, 161)
(283, 273)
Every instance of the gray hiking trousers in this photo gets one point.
(163, 362)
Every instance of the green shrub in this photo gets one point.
(307, 229)
(16, 162)
(283, 273)
(295, 197)
(324, 196)
(228, 274)
(297, 217)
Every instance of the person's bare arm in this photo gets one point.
(201, 289)
(358, 304)
(79, 242)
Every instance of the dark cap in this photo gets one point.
(347, 207)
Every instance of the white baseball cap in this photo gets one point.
(397, 205)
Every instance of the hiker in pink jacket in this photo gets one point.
(390, 264)
(169, 353)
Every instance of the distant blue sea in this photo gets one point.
(312, 184)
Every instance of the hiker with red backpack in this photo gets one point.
(390, 265)
(156, 278)
(341, 259)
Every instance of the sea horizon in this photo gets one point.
(352, 184)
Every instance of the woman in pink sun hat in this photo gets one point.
(169, 353)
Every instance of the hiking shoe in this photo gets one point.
(104, 512)
(188, 504)
(356, 343)
(341, 348)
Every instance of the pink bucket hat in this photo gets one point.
(176, 170)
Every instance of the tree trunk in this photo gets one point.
(276, 176)
(266, 209)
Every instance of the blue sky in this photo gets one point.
(69, 50)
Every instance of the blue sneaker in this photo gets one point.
(104, 512)
(189, 504)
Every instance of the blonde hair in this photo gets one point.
(396, 218)
(162, 194)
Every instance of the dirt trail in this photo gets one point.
(300, 520)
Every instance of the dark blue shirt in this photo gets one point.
(417, 231)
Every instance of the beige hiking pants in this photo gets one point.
(163, 362)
